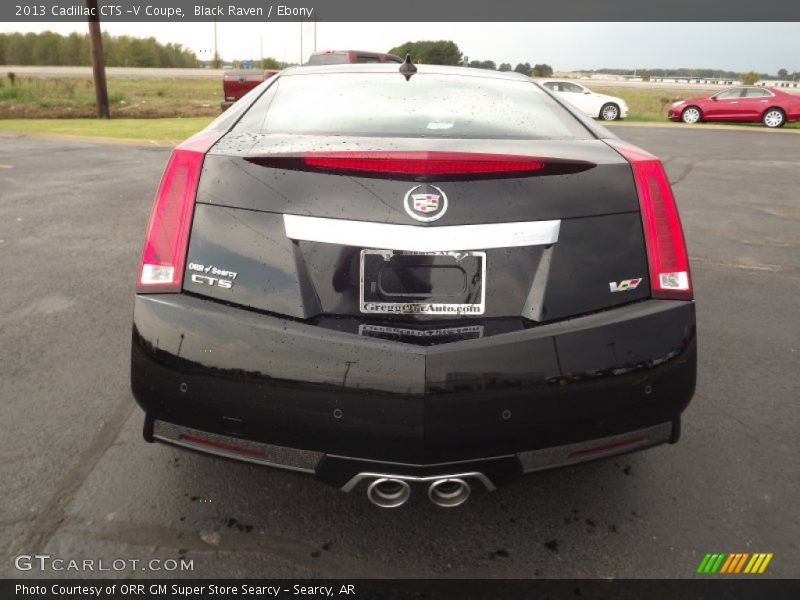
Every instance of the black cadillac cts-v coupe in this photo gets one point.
(434, 278)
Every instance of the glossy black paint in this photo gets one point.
(278, 380)
(285, 357)
(309, 279)
(230, 179)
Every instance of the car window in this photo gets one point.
(363, 58)
(551, 85)
(756, 93)
(571, 88)
(233, 114)
(328, 58)
(428, 105)
(728, 94)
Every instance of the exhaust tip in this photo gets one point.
(448, 493)
(388, 493)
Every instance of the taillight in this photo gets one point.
(400, 164)
(666, 249)
(167, 236)
(423, 163)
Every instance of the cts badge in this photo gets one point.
(624, 285)
(425, 202)
(204, 274)
(223, 283)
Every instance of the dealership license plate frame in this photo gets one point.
(440, 309)
(466, 332)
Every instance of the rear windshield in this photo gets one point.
(428, 105)
(329, 58)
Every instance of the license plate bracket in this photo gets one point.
(422, 283)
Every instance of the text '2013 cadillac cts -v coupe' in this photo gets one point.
(438, 278)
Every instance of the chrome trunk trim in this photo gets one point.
(415, 238)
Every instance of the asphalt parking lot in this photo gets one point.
(77, 481)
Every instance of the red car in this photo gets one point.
(236, 84)
(749, 104)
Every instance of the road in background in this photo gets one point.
(77, 480)
(697, 89)
(128, 72)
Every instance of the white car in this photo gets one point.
(597, 106)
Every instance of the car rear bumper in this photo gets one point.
(257, 387)
(347, 473)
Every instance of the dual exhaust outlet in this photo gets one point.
(390, 492)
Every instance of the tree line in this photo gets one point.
(49, 48)
(446, 52)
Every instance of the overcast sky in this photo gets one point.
(762, 47)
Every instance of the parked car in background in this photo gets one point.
(745, 104)
(236, 84)
(340, 57)
(597, 106)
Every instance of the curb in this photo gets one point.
(141, 143)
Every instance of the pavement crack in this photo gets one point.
(53, 514)
(686, 171)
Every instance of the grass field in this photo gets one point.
(73, 97)
(646, 104)
(177, 104)
(159, 130)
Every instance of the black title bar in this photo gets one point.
(731, 588)
(446, 11)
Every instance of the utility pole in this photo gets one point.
(216, 54)
(98, 63)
